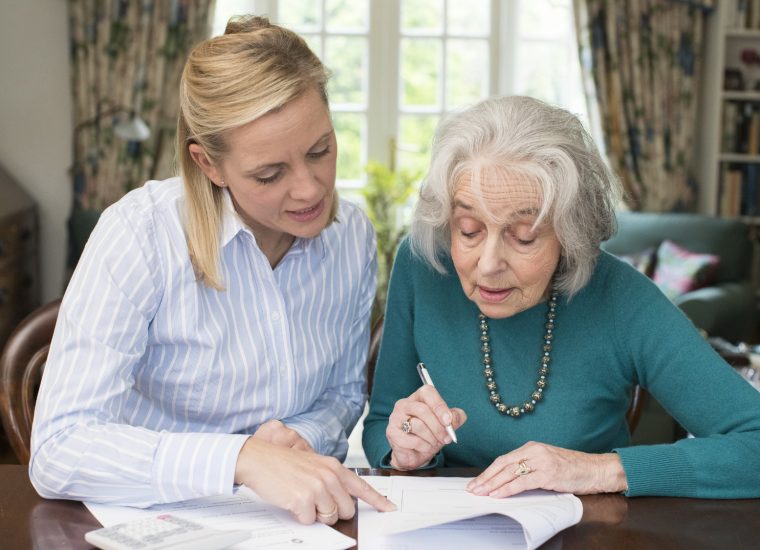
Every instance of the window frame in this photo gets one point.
(383, 110)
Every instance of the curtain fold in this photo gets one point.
(641, 61)
(126, 58)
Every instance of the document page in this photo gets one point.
(270, 527)
(438, 512)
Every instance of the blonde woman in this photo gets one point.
(216, 328)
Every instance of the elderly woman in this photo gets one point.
(535, 337)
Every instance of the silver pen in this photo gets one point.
(425, 376)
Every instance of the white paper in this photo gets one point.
(437, 512)
(270, 527)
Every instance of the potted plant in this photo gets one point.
(387, 195)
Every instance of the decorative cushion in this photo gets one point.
(643, 261)
(679, 271)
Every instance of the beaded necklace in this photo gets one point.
(543, 371)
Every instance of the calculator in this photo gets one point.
(163, 532)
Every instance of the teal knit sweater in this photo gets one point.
(618, 331)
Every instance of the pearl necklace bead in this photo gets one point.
(543, 370)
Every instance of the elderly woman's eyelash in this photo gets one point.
(319, 154)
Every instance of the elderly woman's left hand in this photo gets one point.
(541, 466)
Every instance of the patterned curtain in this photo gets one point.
(126, 59)
(641, 61)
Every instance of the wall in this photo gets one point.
(35, 120)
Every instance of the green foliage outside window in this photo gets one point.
(387, 195)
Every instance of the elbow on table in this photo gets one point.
(44, 482)
(46, 471)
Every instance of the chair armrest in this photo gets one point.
(727, 310)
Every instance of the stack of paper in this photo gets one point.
(270, 527)
(437, 512)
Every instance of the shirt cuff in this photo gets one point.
(315, 436)
(192, 465)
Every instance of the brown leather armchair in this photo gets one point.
(21, 366)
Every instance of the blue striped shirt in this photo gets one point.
(154, 381)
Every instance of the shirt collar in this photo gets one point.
(231, 222)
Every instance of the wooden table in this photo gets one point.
(609, 521)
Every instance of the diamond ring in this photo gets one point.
(406, 426)
(522, 468)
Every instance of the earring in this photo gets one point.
(222, 184)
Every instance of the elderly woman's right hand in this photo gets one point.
(417, 428)
(310, 486)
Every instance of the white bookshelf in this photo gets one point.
(722, 49)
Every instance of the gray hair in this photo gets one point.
(523, 137)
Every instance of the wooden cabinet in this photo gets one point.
(19, 256)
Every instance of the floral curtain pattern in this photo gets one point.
(127, 58)
(641, 61)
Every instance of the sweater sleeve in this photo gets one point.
(700, 390)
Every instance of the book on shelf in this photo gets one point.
(736, 15)
(730, 117)
(753, 130)
(748, 205)
(743, 14)
(753, 16)
(739, 190)
(730, 191)
(741, 127)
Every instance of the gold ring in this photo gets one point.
(406, 426)
(522, 468)
(329, 515)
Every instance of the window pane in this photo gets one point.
(347, 15)
(534, 79)
(226, 9)
(314, 41)
(415, 137)
(467, 72)
(346, 57)
(546, 18)
(472, 17)
(421, 62)
(422, 16)
(350, 133)
(301, 15)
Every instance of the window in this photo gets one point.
(546, 55)
(398, 65)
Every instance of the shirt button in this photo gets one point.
(275, 316)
